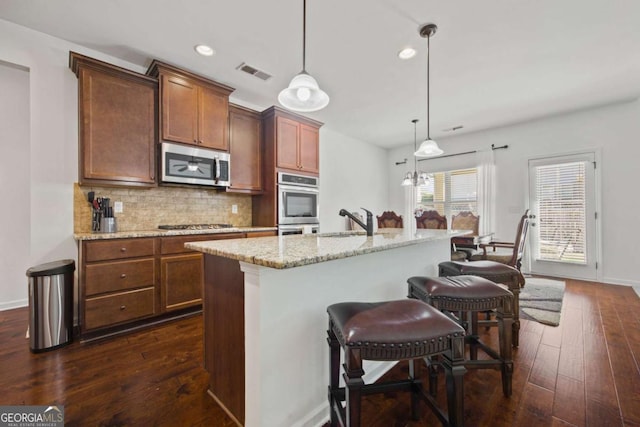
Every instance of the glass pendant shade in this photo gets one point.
(428, 148)
(303, 94)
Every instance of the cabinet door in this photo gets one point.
(213, 120)
(181, 280)
(287, 143)
(245, 140)
(179, 109)
(117, 129)
(308, 149)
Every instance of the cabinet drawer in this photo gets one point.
(122, 307)
(121, 248)
(119, 276)
(175, 245)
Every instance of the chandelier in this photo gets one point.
(415, 178)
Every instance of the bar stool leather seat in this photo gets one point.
(496, 272)
(461, 294)
(392, 331)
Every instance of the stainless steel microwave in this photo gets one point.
(184, 164)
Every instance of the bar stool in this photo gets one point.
(496, 272)
(392, 331)
(472, 294)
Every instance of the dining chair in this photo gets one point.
(464, 220)
(509, 253)
(431, 220)
(389, 219)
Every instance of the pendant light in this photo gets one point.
(303, 93)
(428, 148)
(415, 178)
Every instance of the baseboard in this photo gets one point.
(623, 282)
(13, 304)
(224, 408)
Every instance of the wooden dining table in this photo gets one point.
(472, 241)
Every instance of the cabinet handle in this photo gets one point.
(122, 307)
(123, 249)
(122, 276)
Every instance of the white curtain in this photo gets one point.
(410, 202)
(486, 190)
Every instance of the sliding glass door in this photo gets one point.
(563, 216)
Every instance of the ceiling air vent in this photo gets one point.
(253, 71)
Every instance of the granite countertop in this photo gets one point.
(160, 233)
(298, 250)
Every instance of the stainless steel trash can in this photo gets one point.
(51, 305)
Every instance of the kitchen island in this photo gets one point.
(265, 315)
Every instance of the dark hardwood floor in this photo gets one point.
(583, 373)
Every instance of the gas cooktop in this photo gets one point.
(194, 226)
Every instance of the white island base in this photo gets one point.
(280, 377)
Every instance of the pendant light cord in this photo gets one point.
(415, 144)
(304, 36)
(428, 92)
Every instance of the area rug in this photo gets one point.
(541, 300)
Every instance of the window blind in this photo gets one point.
(450, 192)
(561, 221)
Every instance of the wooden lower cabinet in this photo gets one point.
(127, 283)
(181, 280)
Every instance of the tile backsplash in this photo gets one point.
(145, 209)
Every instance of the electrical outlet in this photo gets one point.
(234, 209)
(117, 207)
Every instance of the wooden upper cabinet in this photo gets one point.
(193, 110)
(308, 149)
(213, 121)
(245, 146)
(179, 110)
(117, 124)
(296, 140)
(287, 139)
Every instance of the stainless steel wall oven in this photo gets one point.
(298, 199)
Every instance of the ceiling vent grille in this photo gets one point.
(253, 71)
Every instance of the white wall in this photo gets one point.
(615, 129)
(353, 174)
(14, 185)
(53, 143)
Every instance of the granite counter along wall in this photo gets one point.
(145, 209)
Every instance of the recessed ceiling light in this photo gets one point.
(204, 50)
(407, 53)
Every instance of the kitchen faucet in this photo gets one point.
(368, 226)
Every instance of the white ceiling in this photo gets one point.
(493, 62)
